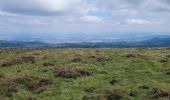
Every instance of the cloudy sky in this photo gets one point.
(84, 16)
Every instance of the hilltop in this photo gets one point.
(85, 74)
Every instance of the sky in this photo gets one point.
(84, 16)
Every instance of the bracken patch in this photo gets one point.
(8, 88)
(115, 95)
(2, 75)
(34, 84)
(71, 73)
(83, 72)
(157, 93)
(101, 59)
(12, 62)
(89, 90)
(19, 61)
(66, 73)
(28, 59)
(76, 60)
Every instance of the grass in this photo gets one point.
(85, 74)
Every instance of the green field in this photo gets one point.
(85, 74)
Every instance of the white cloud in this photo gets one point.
(44, 7)
(138, 21)
(2, 13)
(167, 2)
(76, 15)
(91, 19)
(127, 3)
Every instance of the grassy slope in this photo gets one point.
(132, 68)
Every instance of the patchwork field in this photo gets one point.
(85, 74)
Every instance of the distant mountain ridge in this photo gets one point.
(159, 41)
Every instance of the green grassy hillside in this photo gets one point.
(85, 74)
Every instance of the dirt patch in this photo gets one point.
(133, 94)
(30, 98)
(8, 88)
(66, 73)
(157, 93)
(115, 95)
(77, 60)
(167, 73)
(34, 84)
(144, 87)
(45, 57)
(130, 55)
(48, 64)
(89, 90)
(12, 62)
(164, 60)
(18, 71)
(19, 61)
(168, 48)
(88, 97)
(101, 59)
(113, 82)
(97, 51)
(2, 75)
(71, 73)
(92, 56)
(45, 81)
(168, 56)
(28, 59)
(83, 72)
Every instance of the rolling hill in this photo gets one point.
(162, 41)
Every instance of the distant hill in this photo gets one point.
(157, 42)
(21, 44)
(162, 41)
